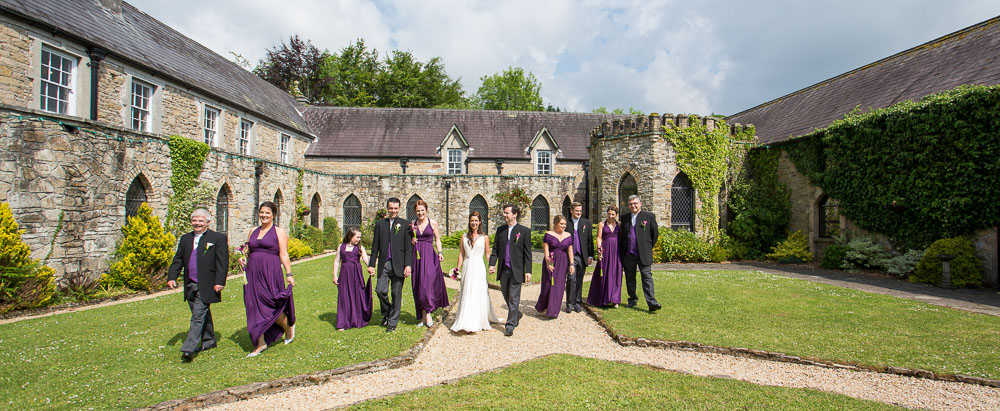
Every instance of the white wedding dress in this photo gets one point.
(475, 311)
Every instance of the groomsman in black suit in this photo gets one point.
(391, 256)
(512, 251)
(203, 256)
(583, 248)
(635, 246)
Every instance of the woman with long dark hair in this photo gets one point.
(475, 311)
(269, 305)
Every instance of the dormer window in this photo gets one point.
(543, 162)
(454, 161)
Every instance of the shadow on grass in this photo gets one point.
(242, 339)
(330, 318)
(177, 338)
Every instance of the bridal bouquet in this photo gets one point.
(454, 273)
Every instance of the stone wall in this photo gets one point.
(15, 64)
(431, 166)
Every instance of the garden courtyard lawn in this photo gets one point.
(568, 382)
(751, 309)
(127, 355)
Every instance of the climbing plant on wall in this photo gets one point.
(706, 157)
(915, 171)
(759, 204)
(187, 157)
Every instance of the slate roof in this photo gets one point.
(416, 132)
(136, 37)
(968, 56)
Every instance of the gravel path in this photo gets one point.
(448, 356)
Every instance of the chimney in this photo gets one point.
(114, 6)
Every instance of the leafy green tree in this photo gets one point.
(296, 63)
(604, 110)
(353, 76)
(512, 89)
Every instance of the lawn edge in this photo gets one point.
(256, 389)
(627, 341)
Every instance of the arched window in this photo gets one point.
(539, 214)
(222, 210)
(567, 207)
(829, 217)
(626, 188)
(478, 203)
(352, 212)
(411, 212)
(314, 210)
(278, 199)
(134, 197)
(682, 203)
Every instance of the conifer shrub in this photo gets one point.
(144, 254)
(313, 237)
(298, 249)
(794, 249)
(24, 282)
(331, 233)
(966, 269)
(685, 246)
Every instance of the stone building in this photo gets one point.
(967, 56)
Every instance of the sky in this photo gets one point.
(700, 57)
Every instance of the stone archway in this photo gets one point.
(626, 187)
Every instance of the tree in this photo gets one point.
(352, 76)
(604, 110)
(298, 61)
(512, 89)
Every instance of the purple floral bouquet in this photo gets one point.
(454, 273)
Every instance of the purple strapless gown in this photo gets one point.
(354, 295)
(427, 279)
(554, 283)
(264, 294)
(606, 285)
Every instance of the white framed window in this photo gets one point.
(57, 89)
(211, 125)
(142, 94)
(454, 161)
(246, 136)
(544, 162)
(285, 146)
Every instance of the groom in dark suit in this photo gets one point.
(391, 256)
(512, 250)
(583, 255)
(635, 247)
(203, 256)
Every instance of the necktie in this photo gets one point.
(392, 230)
(507, 256)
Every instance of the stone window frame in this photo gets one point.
(148, 109)
(222, 208)
(284, 147)
(543, 167)
(454, 164)
(246, 136)
(211, 132)
(72, 78)
(824, 223)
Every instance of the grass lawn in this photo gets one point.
(128, 355)
(583, 383)
(802, 318)
(451, 257)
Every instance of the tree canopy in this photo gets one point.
(511, 89)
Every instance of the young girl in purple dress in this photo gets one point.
(354, 295)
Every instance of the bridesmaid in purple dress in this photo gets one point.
(270, 310)
(557, 246)
(606, 285)
(429, 292)
(354, 295)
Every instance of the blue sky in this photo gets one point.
(699, 57)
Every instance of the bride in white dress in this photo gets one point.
(475, 311)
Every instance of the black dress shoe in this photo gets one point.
(508, 332)
(578, 308)
(630, 304)
(187, 356)
(390, 329)
(385, 321)
(209, 347)
(654, 308)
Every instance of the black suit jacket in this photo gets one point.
(586, 239)
(520, 251)
(383, 238)
(645, 235)
(213, 264)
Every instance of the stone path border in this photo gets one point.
(122, 299)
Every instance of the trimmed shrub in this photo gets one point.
(966, 269)
(685, 246)
(143, 255)
(864, 252)
(331, 233)
(903, 265)
(794, 249)
(453, 240)
(833, 256)
(536, 239)
(24, 282)
(298, 249)
(313, 237)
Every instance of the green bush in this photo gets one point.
(181, 206)
(313, 237)
(234, 261)
(298, 249)
(144, 254)
(24, 282)
(760, 207)
(536, 239)
(452, 240)
(966, 269)
(331, 233)
(368, 229)
(833, 256)
(795, 248)
(864, 252)
(685, 246)
(904, 264)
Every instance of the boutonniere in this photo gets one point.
(207, 246)
(517, 237)
(396, 230)
(644, 224)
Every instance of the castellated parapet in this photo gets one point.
(634, 149)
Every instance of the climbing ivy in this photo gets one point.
(760, 206)
(706, 157)
(915, 171)
(187, 157)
